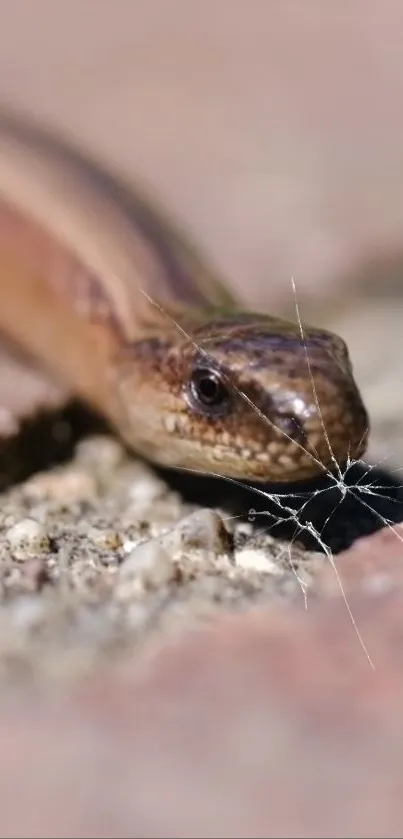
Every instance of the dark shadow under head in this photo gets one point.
(50, 438)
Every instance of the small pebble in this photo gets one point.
(100, 454)
(257, 560)
(66, 486)
(148, 566)
(128, 545)
(106, 540)
(203, 531)
(27, 538)
(145, 489)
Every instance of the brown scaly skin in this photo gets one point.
(266, 425)
(192, 382)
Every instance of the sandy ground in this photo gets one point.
(167, 668)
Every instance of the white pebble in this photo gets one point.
(100, 453)
(148, 566)
(128, 545)
(27, 538)
(107, 540)
(65, 486)
(203, 530)
(256, 560)
(146, 489)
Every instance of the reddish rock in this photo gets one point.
(374, 564)
(268, 725)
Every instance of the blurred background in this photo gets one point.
(274, 131)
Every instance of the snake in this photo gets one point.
(108, 300)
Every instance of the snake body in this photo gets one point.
(101, 290)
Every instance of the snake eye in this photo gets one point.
(207, 391)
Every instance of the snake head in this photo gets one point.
(246, 396)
